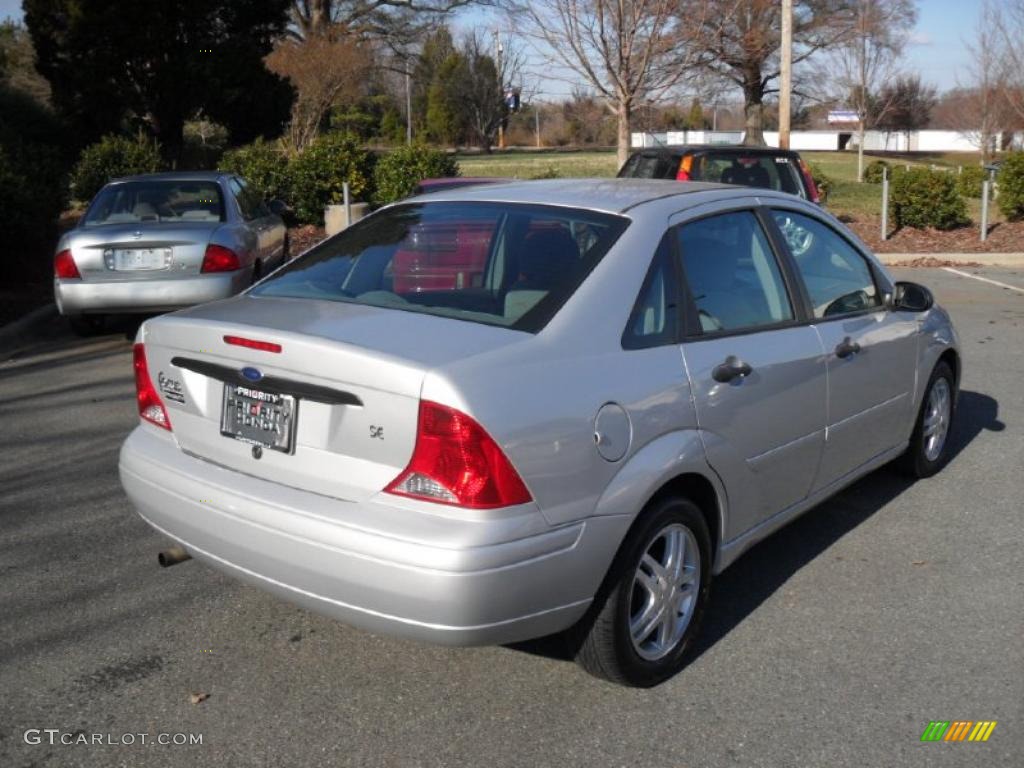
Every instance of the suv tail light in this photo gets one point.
(456, 462)
(685, 165)
(64, 265)
(151, 407)
(812, 188)
(220, 259)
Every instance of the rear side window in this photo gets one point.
(763, 171)
(653, 321)
(512, 265)
(837, 277)
(133, 202)
(650, 166)
(250, 204)
(732, 273)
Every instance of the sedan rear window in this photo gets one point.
(129, 202)
(512, 265)
(762, 170)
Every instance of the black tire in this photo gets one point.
(916, 462)
(87, 325)
(257, 271)
(602, 642)
(286, 252)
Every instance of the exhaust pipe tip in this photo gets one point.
(172, 556)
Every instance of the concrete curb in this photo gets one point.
(985, 259)
(27, 321)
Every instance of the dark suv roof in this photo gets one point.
(760, 167)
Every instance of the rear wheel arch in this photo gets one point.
(702, 492)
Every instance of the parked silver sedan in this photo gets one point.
(505, 411)
(164, 241)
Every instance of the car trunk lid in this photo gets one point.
(355, 373)
(142, 250)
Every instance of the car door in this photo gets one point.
(871, 351)
(271, 227)
(756, 369)
(255, 221)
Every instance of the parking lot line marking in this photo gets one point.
(983, 279)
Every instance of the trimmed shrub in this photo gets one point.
(263, 165)
(822, 181)
(1011, 186)
(110, 158)
(398, 172)
(923, 198)
(969, 180)
(317, 175)
(873, 171)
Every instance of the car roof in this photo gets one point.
(611, 195)
(678, 150)
(176, 176)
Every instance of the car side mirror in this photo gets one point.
(912, 297)
(278, 207)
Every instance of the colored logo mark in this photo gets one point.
(958, 730)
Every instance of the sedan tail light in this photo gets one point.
(812, 188)
(220, 259)
(64, 265)
(685, 166)
(151, 407)
(456, 462)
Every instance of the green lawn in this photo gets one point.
(847, 197)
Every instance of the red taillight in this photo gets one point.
(683, 174)
(220, 259)
(151, 407)
(64, 265)
(812, 188)
(263, 346)
(456, 462)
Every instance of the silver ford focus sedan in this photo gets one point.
(500, 412)
(163, 241)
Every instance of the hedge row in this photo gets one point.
(307, 182)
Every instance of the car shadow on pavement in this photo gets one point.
(767, 566)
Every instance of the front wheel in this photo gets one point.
(651, 605)
(928, 451)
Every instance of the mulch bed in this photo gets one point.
(301, 238)
(1004, 237)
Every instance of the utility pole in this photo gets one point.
(408, 105)
(786, 87)
(501, 85)
(536, 121)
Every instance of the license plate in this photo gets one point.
(262, 418)
(129, 259)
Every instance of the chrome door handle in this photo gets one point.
(847, 348)
(731, 369)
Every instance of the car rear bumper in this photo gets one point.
(385, 567)
(76, 297)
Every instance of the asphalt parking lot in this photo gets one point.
(833, 643)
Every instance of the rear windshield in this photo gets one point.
(129, 202)
(496, 263)
(650, 166)
(760, 170)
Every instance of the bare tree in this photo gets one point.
(627, 51)
(740, 42)
(858, 67)
(396, 22)
(325, 70)
(1011, 49)
(983, 111)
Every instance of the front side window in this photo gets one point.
(134, 202)
(506, 264)
(732, 273)
(837, 276)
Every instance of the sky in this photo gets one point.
(937, 52)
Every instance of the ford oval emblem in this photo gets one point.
(251, 374)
